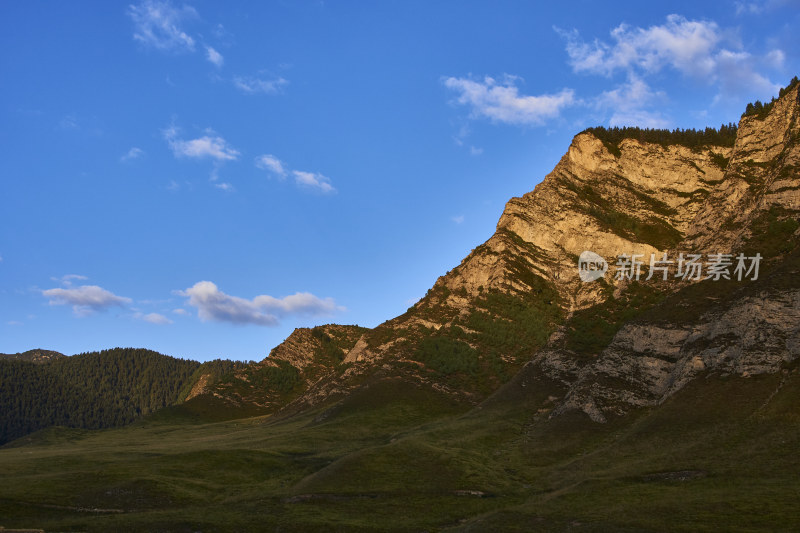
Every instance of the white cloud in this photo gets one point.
(314, 181)
(214, 57)
(153, 318)
(86, 299)
(628, 104)
(227, 187)
(458, 219)
(475, 151)
(252, 85)
(694, 48)
(210, 145)
(300, 303)
(502, 102)
(307, 180)
(180, 311)
(133, 153)
(686, 45)
(272, 164)
(157, 24)
(214, 305)
(173, 186)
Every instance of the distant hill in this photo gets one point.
(34, 356)
(93, 390)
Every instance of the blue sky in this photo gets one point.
(200, 179)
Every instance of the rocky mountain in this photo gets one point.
(723, 326)
(615, 343)
(293, 368)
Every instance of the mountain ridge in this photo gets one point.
(631, 197)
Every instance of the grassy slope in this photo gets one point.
(395, 457)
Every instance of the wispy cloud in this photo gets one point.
(250, 85)
(738, 74)
(14, 323)
(224, 186)
(69, 122)
(458, 219)
(67, 279)
(697, 49)
(180, 311)
(152, 318)
(214, 57)
(133, 153)
(462, 134)
(220, 32)
(314, 181)
(272, 164)
(311, 181)
(761, 6)
(629, 103)
(158, 24)
(86, 299)
(686, 45)
(208, 146)
(501, 101)
(214, 305)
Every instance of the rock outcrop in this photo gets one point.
(294, 368)
(733, 328)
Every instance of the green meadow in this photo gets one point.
(720, 455)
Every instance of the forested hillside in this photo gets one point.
(90, 390)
